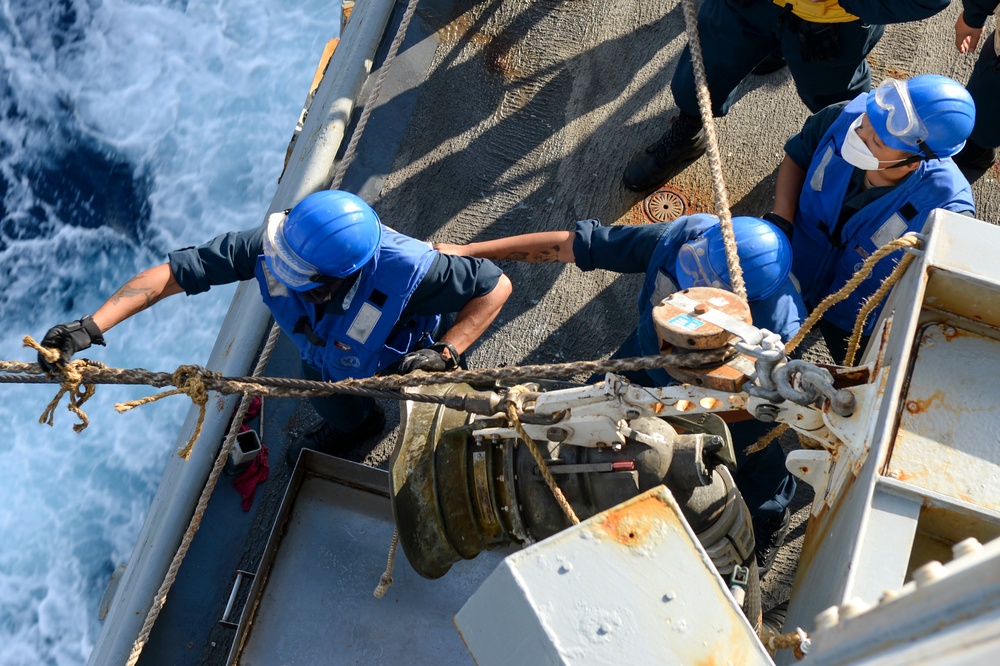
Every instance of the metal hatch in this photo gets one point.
(311, 601)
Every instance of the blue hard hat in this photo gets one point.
(329, 233)
(765, 257)
(928, 114)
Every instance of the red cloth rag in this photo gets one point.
(246, 482)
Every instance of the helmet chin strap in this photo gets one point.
(925, 154)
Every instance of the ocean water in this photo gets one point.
(129, 128)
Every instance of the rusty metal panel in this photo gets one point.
(947, 436)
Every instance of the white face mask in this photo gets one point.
(856, 153)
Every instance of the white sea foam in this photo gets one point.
(201, 96)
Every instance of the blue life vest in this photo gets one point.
(821, 263)
(368, 336)
(782, 312)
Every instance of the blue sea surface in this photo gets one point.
(129, 128)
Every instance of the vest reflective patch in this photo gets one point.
(275, 287)
(663, 287)
(364, 323)
(816, 182)
(890, 230)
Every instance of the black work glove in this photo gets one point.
(430, 359)
(69, 338)
(784, 225)
(819, 42)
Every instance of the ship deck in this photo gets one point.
(500, 118)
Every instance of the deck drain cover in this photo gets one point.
(665, 205)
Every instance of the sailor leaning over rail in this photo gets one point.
(353, 295)
(688, 252)
(863, 173)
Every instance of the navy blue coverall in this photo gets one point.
(766, 486)
(448, 285)
(738, 34)
(984, 84)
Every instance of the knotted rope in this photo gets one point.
(192, 379)
(72, 385)
(189, 380)
(385, 581)
(797, 640)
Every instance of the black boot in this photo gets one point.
(682, 144)
(769, 534)
(774, 61)
(327, 439)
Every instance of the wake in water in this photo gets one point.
(130, 128)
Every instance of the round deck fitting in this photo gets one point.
(665, 205)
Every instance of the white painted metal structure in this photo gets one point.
(629, 584)
(926, 473)
(912, 472)
(950, 614)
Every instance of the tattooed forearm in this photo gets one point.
(543, 256)
(128, 292)
(548, 255)
(136, 289)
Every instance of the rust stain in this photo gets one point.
(817, 526)
(919, 406)
(897, 72)
(634, 216)
(500, 59)
(696, 201)
(950, 333)
(888, 70)
(220, 405)
(632, 524)
(498, 50)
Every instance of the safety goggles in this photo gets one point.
(287, 266)
(901, 118)
(694, 268)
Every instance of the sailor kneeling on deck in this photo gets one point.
(688, 252)
(355, 296)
